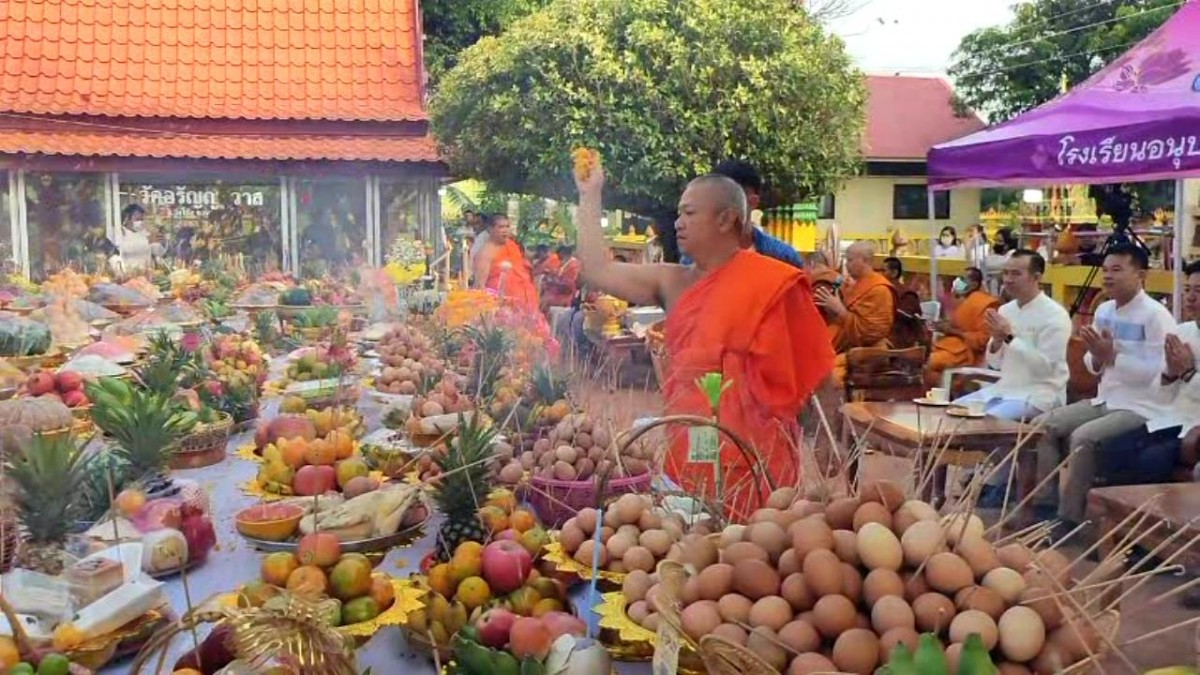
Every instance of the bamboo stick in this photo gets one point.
(1032, 493)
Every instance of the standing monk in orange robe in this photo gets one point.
(734, 312)
(502, 267)
(965, 335)
(864, 315)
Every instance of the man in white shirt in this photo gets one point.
(1125, 348)
(1028, 345)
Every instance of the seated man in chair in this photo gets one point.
(965, 336)
(864, 314)
(1125, 346)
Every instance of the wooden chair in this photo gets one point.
(1081, 384)
(880, 374)
(908, 329)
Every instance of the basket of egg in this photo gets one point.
(820, 588)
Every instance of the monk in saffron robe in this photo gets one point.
(864, 314)
(501, 266)
(559, 287)
(734, 312)
(965, 336)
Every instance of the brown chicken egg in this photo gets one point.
(884, 492)
(872, 512)
(880, 583)
(823, 572)
(840, 513)
(891, 612)
(933, 612)
(948, 573)
(834, 615)
(856, 651)
(810, 535)
(756, 579)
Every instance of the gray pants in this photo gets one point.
(1078, 429)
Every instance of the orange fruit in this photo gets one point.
(9, 656)
(546, 606)
(350, 579)
(441, 581)
(522, 520)
(293, 451)
(494, 519)
(382, 592)
(320, 452)
(130, 501)
(502, 499)
(464, 566)
(469, 548)
(277, 567)
(343, 445)
(309, 581)
(473, 592)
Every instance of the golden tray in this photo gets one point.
(408, 599)
(554, 553)
(252, 488)
(97, 652)
(627, 641)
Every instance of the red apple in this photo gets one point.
(561, 623)
(311, 480)
(506, 566)
(494, 627)
(69, 380)
(507, 535)
(75, 398)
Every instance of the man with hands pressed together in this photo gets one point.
(1125, 347)
(864, 314)
(734, 312)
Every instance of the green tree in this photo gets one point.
(451, 26)
(1003, 71)
(663, 89)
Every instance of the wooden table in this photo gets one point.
(913, 431)
(1178, 504)
(614, 353)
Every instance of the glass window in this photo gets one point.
(202, 220)
(911, 202)
(331, 227)
(827, 208)
(400, 217)
(65, 222)
(8, 256)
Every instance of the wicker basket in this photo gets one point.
(557, 501)
(205, 446)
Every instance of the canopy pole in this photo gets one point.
(1177, 253)
(934, 293)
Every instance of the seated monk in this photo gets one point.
(864, 314)
(560, 286)
(965, 335)
(501, 266)
(734, 312)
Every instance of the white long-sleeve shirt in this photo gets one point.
(1033, 367)
(1139, 330)
(1184, 410)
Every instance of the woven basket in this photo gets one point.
(557, 501)
(205, 446)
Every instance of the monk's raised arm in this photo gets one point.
(482, 266)
(636, 284)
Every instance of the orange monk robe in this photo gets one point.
(871, 311)
(953, 351)
(548, 265)
(558, 289)
(511, 276)
(754, 321)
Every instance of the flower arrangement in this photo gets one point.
(463, 306)
(235, 370)
(406, 261)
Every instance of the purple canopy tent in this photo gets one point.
(1138, 119)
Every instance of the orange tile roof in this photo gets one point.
(216, 146)
(906, 116)
(252, 59)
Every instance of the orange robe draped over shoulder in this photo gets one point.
(513, 281)
(871, 305)
(754, 321)
(952, 351)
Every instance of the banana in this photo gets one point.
(418, 620)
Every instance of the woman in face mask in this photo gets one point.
(947, 245)
(135, 248)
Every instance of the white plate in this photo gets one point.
(931, 402)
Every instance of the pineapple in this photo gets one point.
(49, 473)
(165, 364)
(146, 426)
(465, 484)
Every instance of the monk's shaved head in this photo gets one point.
(859, 257)
(728, 195)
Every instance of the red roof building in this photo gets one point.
(290, 132)
(906, 116)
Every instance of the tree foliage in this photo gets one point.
(451, 26)
(1006, 70)
(663, 89)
